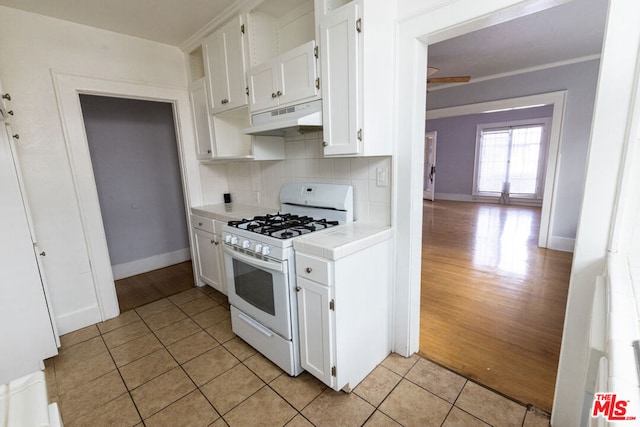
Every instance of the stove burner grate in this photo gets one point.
(282, 226)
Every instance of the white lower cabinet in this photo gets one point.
(208, 257)
(344, 314)
(316, 325)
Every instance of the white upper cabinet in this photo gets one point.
(341, 108)
(356, 45)
(286, 79)
(225, 66)
(283, 66)
(198, 96)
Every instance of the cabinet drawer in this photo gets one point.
(311, 268)
(202, 223)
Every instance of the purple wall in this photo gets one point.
(456, 145)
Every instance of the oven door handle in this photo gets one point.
(267, 265)
(255, 324)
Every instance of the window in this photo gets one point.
(510, 157)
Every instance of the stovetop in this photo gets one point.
(282, 225)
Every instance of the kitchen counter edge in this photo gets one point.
(344, 240)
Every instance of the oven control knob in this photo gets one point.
(227, 238)
(258, 248)
(246, 244)
(234, 240)
(266, 250)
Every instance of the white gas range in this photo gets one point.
(260, 268)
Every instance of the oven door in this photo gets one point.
(260, 289)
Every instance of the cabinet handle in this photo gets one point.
(10, 112)
(279, 93)
(43, 253)
(212, 241)
(325, 144)
(225, 101)
(200, 224)
(209, 151)
(6, 96)
(273, 95)
(216, 243)
(16, 136)
(309, 269)
(298, 288)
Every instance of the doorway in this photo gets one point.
(134, 155)
(68, 87)
(471, 275)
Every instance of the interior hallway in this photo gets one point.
(492, 302)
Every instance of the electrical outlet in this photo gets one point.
(382, 177)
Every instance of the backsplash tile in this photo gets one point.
(259, 182)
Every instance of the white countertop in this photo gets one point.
(230, 211)
(343, 240)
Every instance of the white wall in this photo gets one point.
(305, 162)
(31, 47)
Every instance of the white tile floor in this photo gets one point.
(177, 362)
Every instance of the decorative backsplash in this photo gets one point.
(260, 182)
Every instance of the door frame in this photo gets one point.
(558, 100)
(68, 88)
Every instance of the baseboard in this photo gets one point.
(486, 199)
(454, 197)
(155, 262)
(78, 319)
(563, 244)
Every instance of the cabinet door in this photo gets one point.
(209, 259)
(27, 334)
(297, 74)
(198, 95)
(236, 94)
(315, 322)
(262, 86)
(340, 51)
(215, 70)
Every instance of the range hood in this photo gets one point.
(306, 117)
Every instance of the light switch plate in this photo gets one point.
(382, 177)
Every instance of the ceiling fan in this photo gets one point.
(452, 79)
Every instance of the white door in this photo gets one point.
(200, 107)
(213, 50)
(209, 262)
(235, 66)
(429, 166)
(297, 70)
(340, 58)
(315, 329)
(262, 81)
(26, 335)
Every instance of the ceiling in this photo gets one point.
(565, 32)
(165, 21)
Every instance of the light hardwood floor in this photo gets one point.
(136, 291)
(492, 302)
